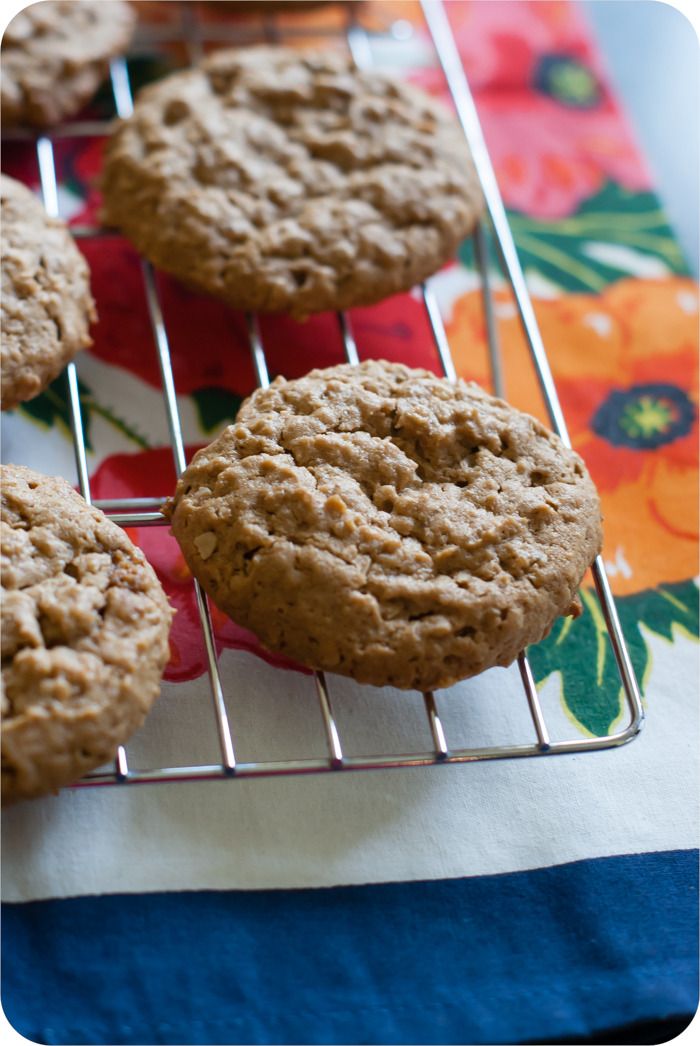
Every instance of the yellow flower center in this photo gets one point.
(573, 82)
(646, 417)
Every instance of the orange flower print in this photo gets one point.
(625, 363)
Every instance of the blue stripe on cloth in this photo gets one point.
(563, 951)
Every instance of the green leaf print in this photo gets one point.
(51, 408)
(580, 651)
(613, 234)
(215, 407)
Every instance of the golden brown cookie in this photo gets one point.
(85, 628)
(55, 55)
(276, 7)
(282, 180)
(46, 307)
(385, 524)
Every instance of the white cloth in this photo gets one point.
(339, 828)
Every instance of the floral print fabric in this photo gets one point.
(617, 310)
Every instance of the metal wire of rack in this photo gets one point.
(144, 512)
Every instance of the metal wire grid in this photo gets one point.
(145, 511)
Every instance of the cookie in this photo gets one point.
(258, 7)
(382, 523)
(47, 307)
(282, 180)
(84, 635)
(55, 55)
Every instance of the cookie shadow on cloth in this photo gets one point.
(275, 714)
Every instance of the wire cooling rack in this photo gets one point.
(198, 35)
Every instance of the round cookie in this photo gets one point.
(46, 307)
(84, 635)
(382, 523)
(284, 180)
(55, 55)
(275, 7)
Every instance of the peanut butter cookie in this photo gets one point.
(46, 307)
(55, 55)
(385, 524)
(85, 628)
(282, 180)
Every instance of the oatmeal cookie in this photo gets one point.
(47, 307)
(281, 180)
(275, 7)
(85, 628)
(385, 524)
(55, 55)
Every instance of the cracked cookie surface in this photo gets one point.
(55, 55)
(85, 628)
(382, 523)
(47, 306)
(282, 180)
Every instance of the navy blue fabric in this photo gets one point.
(539, 955)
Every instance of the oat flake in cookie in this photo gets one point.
(382, 523)
(46, 306)
(85, 628)
(55, 54)
(282, 180)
